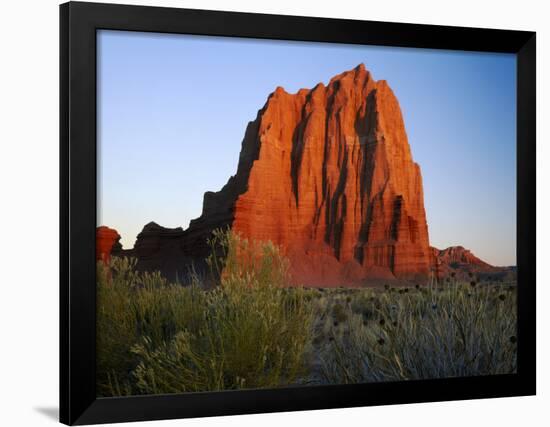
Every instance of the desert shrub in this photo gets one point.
(130, 306)
(363, 303)
(244, 341)
(252, 334)
(457, 331)
(246, 263)
(116, 330)
(154, 337)
(339, 313)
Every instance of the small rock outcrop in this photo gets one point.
(461, 263)
(107, 243)
(458, 255)
(161, 249)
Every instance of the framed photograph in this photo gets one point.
(267, 213)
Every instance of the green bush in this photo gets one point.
(131, 306)
(247, 332)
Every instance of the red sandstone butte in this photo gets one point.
(107, 240)
(327, 174)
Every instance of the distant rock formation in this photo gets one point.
(107, 243)
(161, 249)
(463, 264)
(457, 255)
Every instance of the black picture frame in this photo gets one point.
(78, 25)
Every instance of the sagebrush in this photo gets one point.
(154, 337)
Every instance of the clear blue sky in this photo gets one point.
(172, 110)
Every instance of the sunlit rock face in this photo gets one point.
(327, 174)
(107, 243)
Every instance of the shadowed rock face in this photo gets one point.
(161, 249)
(328, 175)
